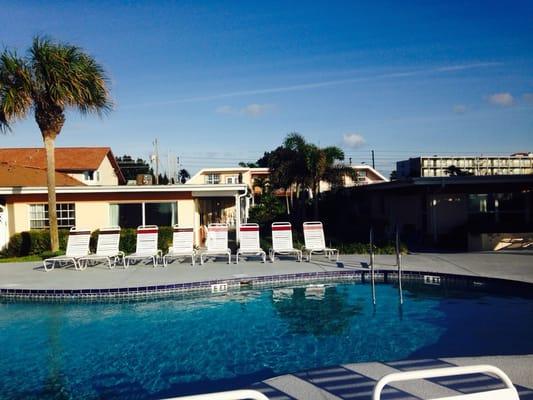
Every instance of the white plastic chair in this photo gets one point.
(107, 249)
(77, 247)
(282, 241)
(146, 247)
(315, 242)
(182, 244)
(217, 242)
(249, 242)
(509, 393)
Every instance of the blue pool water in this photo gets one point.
(161, 348)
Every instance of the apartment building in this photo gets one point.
(431, 166)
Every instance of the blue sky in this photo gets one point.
(218, 82)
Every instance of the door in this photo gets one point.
(4, 236)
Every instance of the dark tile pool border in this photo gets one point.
(157, 291)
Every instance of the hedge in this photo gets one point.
(37, 242)
(32, 242)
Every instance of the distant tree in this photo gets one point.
(393, 175)
(452, 170)
(183, 175)
(51, 79)
(248, 165)
(131, 168)
(163, 179)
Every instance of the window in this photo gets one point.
(232, 179)
(66, 215)
(88, 175)
(160, 214)
(212, 179)
(361, 176)
(129, 215)
(132, 215)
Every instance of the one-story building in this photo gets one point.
(90, 195)
(460, 212)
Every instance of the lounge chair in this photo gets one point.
(509, 393)
(282, 241)
(77, 247)
(217, 242)
(182, 244)
(146, 247)
(315, 242)
(249, 242)
(107, 249)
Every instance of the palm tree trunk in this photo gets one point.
(316, 189)
(51, 185)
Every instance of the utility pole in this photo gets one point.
(155, 160)
(350, 161)
(373, 163)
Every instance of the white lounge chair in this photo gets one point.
(315, 242)
(107, 249)
(509, 393)
(146, 247)
(249, 242)
(282, 241)
(217, 242)
(182, 244)
(231, 395)
(77, 247)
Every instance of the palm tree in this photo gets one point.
(313, 164)
(52, 78)
(183, 175)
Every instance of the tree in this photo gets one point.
(248, 164)
(452, 170)
(131, 168)
(183, 175)
(313, 164)
(52, 78)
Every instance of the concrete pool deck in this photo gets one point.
(31, 275)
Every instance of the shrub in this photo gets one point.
(363, 248)
(32, 242)
(128, 239)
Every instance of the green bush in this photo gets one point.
(32, 242)
(37, 242)
(128, 239)
(363, 248)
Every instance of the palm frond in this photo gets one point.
(67, 77)
(15, 89)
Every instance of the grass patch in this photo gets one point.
(21, 259)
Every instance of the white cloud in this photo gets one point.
(501, 99)
(459, 108)
(319, 84)
(255, 110)
(224, 110)
(353, 140)
(251, 110)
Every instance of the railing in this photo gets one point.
(231, 395)
(398, 265)
(509, 393)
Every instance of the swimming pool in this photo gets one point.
(161, 348)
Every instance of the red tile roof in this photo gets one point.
(17, 175)
(68, 159)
